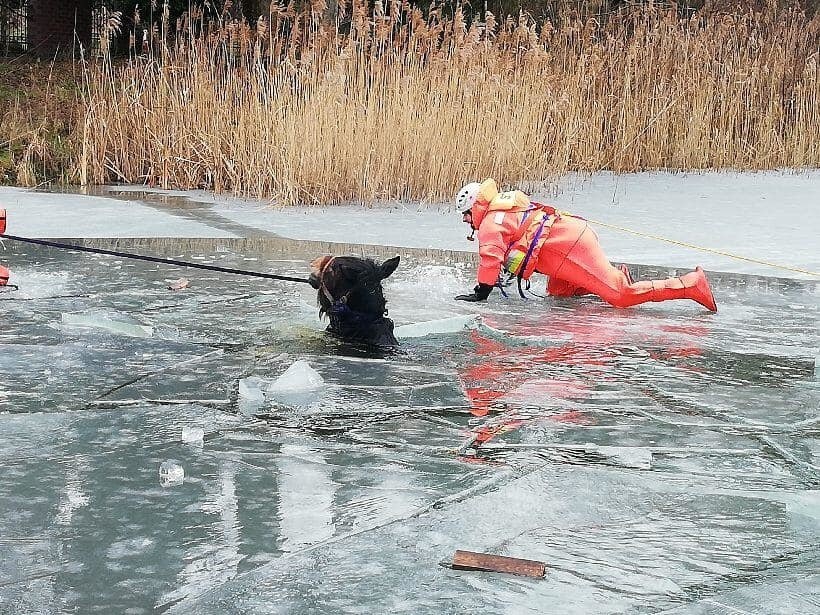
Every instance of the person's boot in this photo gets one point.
(698, 289)
(692, 285)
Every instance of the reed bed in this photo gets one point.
(39, 110)
(397, 104)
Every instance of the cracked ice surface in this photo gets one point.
(658, 459)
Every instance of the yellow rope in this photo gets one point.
(702, 249)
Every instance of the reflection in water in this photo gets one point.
(216, 560)
(306, 493)
(531, 371)
(73, 494)
(655, 457)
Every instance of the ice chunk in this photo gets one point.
(298, 378)
(806, 503)
(299, 386)
(193, 435)
(442, 325)
(251, 394)
(99, 321)
(171, 473)
(38, 285)
(180, 284)
(251, 388)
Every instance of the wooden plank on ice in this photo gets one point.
(470, 560)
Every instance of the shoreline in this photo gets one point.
(706, 209)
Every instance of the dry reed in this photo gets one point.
(397, 104)
(39, 108)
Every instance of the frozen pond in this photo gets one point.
(769, 216)
(658, 459)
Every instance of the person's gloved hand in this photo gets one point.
(480, 293)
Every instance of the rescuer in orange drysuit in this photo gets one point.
(4, 276)
(4, 272)
(523, 237)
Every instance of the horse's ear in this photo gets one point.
(389, 266)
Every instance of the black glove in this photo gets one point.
(480, 293)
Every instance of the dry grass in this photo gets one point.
(397, 104)
(39, 108)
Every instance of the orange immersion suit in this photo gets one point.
(524, 237)
(4, 272)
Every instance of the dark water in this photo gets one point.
(658, 459)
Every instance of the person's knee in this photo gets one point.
(618, 301)
(614, 297)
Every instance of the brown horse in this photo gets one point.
(351, 296)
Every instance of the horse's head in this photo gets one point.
(350, 294)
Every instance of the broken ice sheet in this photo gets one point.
(453, 324)
(119, 325)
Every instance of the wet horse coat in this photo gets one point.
(351, 296)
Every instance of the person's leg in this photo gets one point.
(556, 287)
(572, 253)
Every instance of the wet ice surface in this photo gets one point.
(768, 216)
(657, 459)
(776, 210)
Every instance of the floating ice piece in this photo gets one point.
(180, 284)
(298, 387)
(298, 378)
(98, 321)
(251, 394)
(442, 325)
(171, 473)
(251, 388)
(36, 285)
(193, 435)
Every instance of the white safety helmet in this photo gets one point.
(466, 197)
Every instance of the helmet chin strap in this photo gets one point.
(471, 236)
